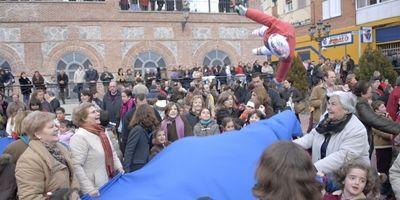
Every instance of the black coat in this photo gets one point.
(137, 150)
(372, 120)
(64, 78)
(112, 104)
(25, 85)
(8, 183)
(126, 129)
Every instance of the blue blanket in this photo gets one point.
(219, 167)
(4, 142)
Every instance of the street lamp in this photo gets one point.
(318, 33)
(185, 13)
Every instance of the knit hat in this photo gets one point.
(347, 99)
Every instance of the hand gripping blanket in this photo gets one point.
(219, 167)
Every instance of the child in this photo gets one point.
(159, 141)
(285, 171)
(250, 107)
(229, 125)
(255, 116)
(382, 140)
(65, 132)
(356, 181)
(206, 126)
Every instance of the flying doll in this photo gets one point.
(278, 37)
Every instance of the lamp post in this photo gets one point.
(318, 33)
(185, 14)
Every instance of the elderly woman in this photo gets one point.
(95, 160)
(46, 165)
(339, 137)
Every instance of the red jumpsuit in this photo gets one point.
(280, 27)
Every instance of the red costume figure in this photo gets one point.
(278, 37)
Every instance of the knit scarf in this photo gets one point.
(180, 127)
(327, 126)
(125, 107)
(108, 154)
(56, 153)
(205, 122)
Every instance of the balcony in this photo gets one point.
(378, 11)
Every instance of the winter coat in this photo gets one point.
(192, 119)
(206, 130)
(64, 78)
(38, 82)
(137, 150)
(79, 76)
(172, 135)
(25, 85)
(89, 162)
(112, 104)
(394, 176)
(372, 120)
(38, 172)
(392, 105)
(91, 75)
(8, 184)
(316, 101)
(350, 143)
(106, 78)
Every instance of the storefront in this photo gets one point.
(388, 41)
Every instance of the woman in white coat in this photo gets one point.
(95, 160)
(339, 137)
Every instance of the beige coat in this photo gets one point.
(89, 162)
(317, 101)
(38, 172)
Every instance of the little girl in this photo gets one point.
(159, 141)
(229, 125)
(206, 126)
(65, 132)
(255, 116)
(356, 181)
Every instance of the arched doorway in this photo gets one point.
(215, 58)
(146, 63)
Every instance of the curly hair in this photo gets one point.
(145, 116)
(286, 172)
(372, 184)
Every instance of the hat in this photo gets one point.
(250, 104)
(161, 103)
(347, 99)
(279, 45)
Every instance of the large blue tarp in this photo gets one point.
(4, 142)
(219, 167)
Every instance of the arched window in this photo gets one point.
(148, 62)
(216, 57)
(70, 62)
(4, 64)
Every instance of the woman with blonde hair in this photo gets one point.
(197, 103)
(46, 165)
(95, 160)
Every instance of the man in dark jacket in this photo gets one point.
(367, 115)
(106, 78)
(91, 77)
(112, 102)
(62, 80)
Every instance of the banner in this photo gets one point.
(366, 34)
(339, 39)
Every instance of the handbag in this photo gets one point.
(299, 107)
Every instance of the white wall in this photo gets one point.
(378, 11)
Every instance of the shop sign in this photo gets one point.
(339, 39)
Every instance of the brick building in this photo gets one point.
(49, 36)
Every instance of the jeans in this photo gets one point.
(26, 99)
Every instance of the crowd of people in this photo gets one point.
(352, 134)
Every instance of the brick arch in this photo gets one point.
(50, 62)
(16, 64)
(157, 47)
(202, 51)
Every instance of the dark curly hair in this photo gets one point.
(372, 184)
(286, 172)
(145, 116)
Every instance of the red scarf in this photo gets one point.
(108, 154)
